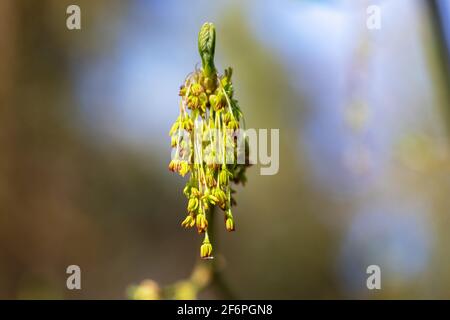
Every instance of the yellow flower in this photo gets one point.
(229, 224)
(188, 222)
(206, 249)
(174, 127)
(184, 168)
(224, 175)
(220, 195)
(193, 102)
(202, 223)
(174, 165)
(192, 204)
(182, 91)
(147, 290)
(196, 89)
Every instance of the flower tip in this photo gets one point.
(173, 166)
(202, 223)
(206, 251)
(229, 224)
(188, 222)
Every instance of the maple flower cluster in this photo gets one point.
(208, 143)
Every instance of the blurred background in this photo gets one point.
(364, 119)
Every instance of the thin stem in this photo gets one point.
(218, 281)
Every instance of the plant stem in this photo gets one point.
(218, 282)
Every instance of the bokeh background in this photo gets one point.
(364, 119)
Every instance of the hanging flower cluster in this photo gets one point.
(208, 145)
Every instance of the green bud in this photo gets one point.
(206, 48)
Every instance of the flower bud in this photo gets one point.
(202, 223)
(229, 224)
(220, 102)
(193, 102)
(213, 199)
(212, 100)
(209, 84)
(192, 204)
(184, 168)
(210, 181)
(206, 48)
(182, 91)
(220, 195)
(196, 89)
(174, 127)
(174, 141)
(195, 192)
(187, 190)
(173, 165)
(229, 221)
(206, 250)
(188, 222)
(224, 175)
(188, 124)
